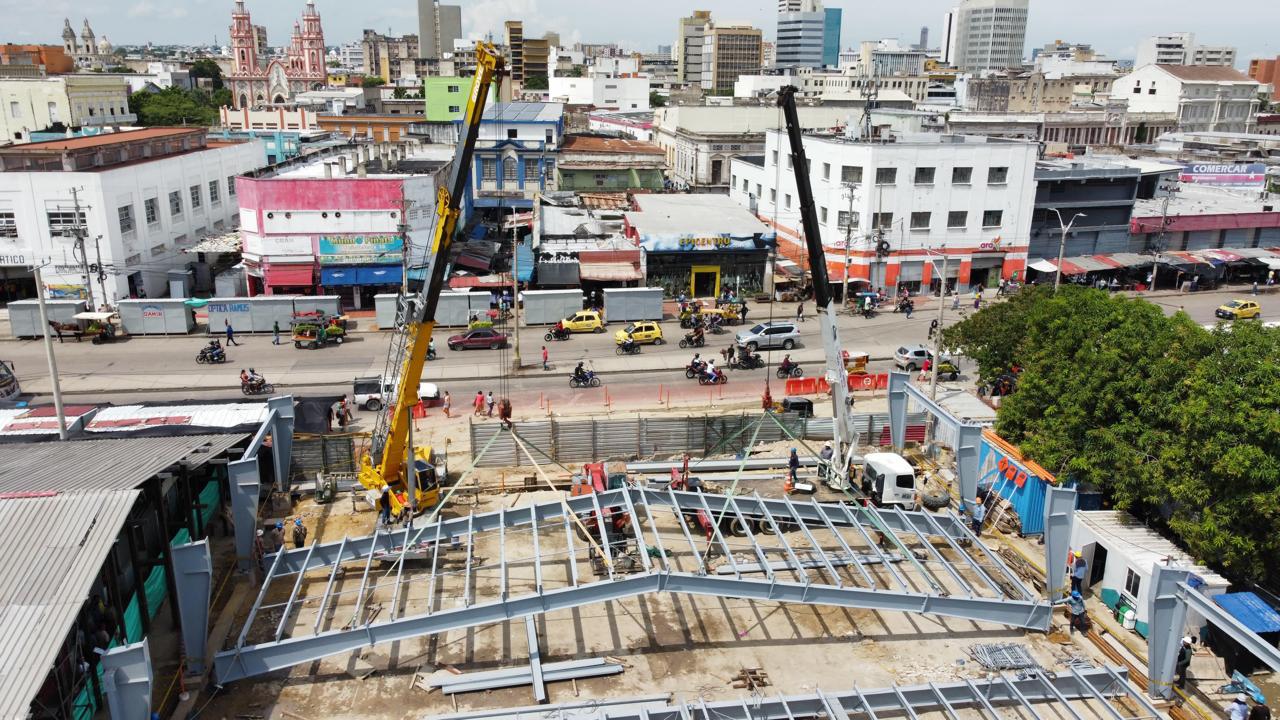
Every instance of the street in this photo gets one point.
(164, 368)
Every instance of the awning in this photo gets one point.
(1179, 258)
(1257, 253)
(1128, 259)
(481, 281)
(524, 262)
(1109, 262)
(94, 316)
(1043, 266)
(361, 275)
(297, 275)
(1271, 262)
(1224, 255)
(1252, 611)
(609, 265)
(472, 262)
(1087, 264)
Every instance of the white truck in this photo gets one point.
(888, 479)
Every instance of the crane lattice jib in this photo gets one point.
(418, 311)
(804, 191)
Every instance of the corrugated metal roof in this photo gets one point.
(86, 465)
(53, 550)
(1251, 610)
(125, 418)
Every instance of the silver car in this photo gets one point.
(911, 357)
(769, 335)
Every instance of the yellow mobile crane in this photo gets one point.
(386, 464)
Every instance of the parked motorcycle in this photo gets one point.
(718, 379)
(554, 334)
(211, 354)
(691, 340)
(588, 380)
(789, 372)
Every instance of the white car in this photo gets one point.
(368, 392)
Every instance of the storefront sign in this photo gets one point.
(229, 307)
(360, 249)
(152, 311)
(1225, 175)
(15, 256)
(277, 245)
(701, 243)
(993, 246)
(66, 292)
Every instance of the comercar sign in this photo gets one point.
(1250, 175)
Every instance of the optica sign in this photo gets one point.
(1225, 174)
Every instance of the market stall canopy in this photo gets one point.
(609, 265)
(1043, 266)
(1086, 264)
(94, 316)
(1130, 259)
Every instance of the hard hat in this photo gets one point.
(1186, 640)
(279, 525)
(297, 521)
(1242, 698)
(827, 444)
(259, 532)
(1075, 594)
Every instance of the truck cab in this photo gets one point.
(889, 480)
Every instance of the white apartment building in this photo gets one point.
(144, 195)
(892, 210)
(981, 35)
(1203, 98)
(624, 94)
(1180, 48)
(31, 104)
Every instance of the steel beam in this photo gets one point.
(977, 569)
(1096, 694)
(537, 557)
(1059, 513)
(751, 538)
(1226, 622)
(282, 439)
(813, 543)
(968, 446)
(801, 574)
(875, 548)
(193, 578)
(126, 681)
(684, 528)
(975, 541)
(831, 528)
(898, 384)
(933, 552)
(641, 545)
(1022, 697)
(244, 483)
(715, 533)
(288, 606)
(535, 660)
(324, 599)
(573, 554)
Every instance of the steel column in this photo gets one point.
(282, 439)
(244, 483)
(1166, 618)
(1059, 513)
(193, 576)
(898, 383)
(1225, 621)
(126, 681)
(535, 659)
(968, 445)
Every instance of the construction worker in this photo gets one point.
(977, 513)
(1079, 570)
(1185, 651)
(1239, 708)
(793, 465)
(259, 550)
(275, 539)
(299, 533)
(1079, 621)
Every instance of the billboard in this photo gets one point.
(1240, 175)
(360, 249)
(672, 242)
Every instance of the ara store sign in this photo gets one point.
(360, 249)
(706, 243)
(1245, 175)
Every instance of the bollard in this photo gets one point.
(659, 393)
(541, 400)
(722, 392)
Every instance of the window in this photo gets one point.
(488, 170)
(133, 260)
(511, 133)
(774, 157)
(151, 208)
(15, 109)
(214, 197)
(847, 220)
(920, 220)
(786, 201)
(64, 222)
(957, 219)
(158, 250)
(550, 136)
(453, 88)
(231, 185)
(851, 175)
(773, 195)
(826, 171)
(992, 218)
(8, 225)
(759, 191)
(961, 175)
(1132, 583)
(1137, 90)
(455, 109)
(1152, 91)
(531, 171)
(175, 203)
(882, 221)
(126, 218)
(886, 176)
(509, 169)
(997, 176)
(195, 197)
(822, 215)
(924, 175)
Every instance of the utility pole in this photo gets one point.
(937, 335)
(102, 272)
(1062, 244)
(515, 291)
(48, 353)
(848, 240)
(81, 234)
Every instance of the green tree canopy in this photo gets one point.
(371, 81)
(536, 82)
(175, 106)
(656, 99)
(206, 68)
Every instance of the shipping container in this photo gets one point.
(628, 304)
(167, 316)
(24, 315)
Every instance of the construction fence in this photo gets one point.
(575, 441)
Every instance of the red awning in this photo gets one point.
(481, 281)
(1109, 262)
(1070, 268)
(295, 275)
(609, 265)
(1224, 255)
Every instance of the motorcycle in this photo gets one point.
(714, 326)
(211, 354)
(789, 372)
(554, 334)
(624, 350)
(693, 370)
(718, 379)
(749, 362)
(261, 387)
(691, 340)
(588, 380)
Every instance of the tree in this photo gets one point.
(206, 68)
(173, 106)
(369, 81)
(994, 337)
(536, 82)
(656, 99)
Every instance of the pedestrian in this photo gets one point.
(1239, 708)
(299, 533)
(504, 413)
(977, 515)
(977, 301)
(344, 414)
(1079, 570)
(489, 403)
(478, 403)
(275, 333)
(1271, 278)
(276, 538)
(743, 312)
(910, 308)
(800, 312)
(448, 403)
(231, 333)
(1075, 605)
(793, 465)
(1260, 711)
(384, 506)
(544, 358)
(1185, 651)
(1255, 287)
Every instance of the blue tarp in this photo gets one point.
(1251, 610)
(524, 256)
(478, 232)
(361, 275)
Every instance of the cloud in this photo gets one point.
(486, 16)
(147, 9)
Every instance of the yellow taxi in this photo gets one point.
(641, 332)
(584, 321)
(1239, 310)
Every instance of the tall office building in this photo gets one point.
(809, 36)
(986, 34)
(690, 34)
(438, 26)
(1180, 48)
(831, 37)
(515, 49)
(729, 51)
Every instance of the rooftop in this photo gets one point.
(1194, 199)
(104, 140)
(693, 215)
(598, 144)
(1082, 167)
(1142, 544)
(524, 112)
(91, 465)
(1207, 73)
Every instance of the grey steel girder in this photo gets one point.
(127, 679)
(1059, 515)
(1087, 687)
(193, 576)
(244, 660)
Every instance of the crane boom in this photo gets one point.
(837, 376)
(385, 463)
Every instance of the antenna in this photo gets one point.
(870, 98)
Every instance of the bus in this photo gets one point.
(9, 389)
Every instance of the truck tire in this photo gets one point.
(936, 500)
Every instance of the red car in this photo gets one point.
(479, 338)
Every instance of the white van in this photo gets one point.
(368, 392)
(888, 479)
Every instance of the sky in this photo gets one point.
(1112, 26)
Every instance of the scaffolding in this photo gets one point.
(514, 563)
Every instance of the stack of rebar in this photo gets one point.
(1003, 656)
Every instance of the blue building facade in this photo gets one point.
(515, 157)
(831, 37)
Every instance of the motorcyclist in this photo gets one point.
(748, 358)
(244, 377)
(698, 334)
(629, 344)
(786, 365)
(696, 364)
(710, 370)
(579, 373)
(431, 348)
(256, 380)
(559, 328)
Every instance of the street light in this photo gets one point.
(1062, 244)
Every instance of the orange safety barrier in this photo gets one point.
(809, 386)
(823, 386)
(419, 411)
(794, 386)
